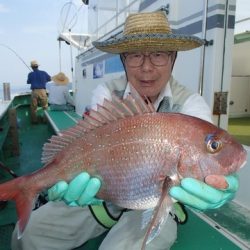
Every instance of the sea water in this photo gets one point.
(13, 90)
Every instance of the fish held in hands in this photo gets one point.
(137, 153)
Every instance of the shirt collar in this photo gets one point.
(165, 92)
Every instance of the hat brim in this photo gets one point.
(149, 42)
(57, 81)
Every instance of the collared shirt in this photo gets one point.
(38, 79)
(195, 105)
(165, 92)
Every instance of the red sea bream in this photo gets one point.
(137, 153)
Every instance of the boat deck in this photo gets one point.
(31, 140)
(225, 228)
(240, 128)
(61, 120)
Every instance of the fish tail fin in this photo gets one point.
(17, 191)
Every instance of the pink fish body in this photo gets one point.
(137, 153)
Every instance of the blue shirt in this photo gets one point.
(38, 79)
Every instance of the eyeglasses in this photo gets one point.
(156, 58)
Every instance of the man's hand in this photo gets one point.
(80, 191)
(213, 193)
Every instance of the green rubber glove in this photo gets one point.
(80, 191)
(201, 196)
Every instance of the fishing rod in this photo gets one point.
(8, 170)
(19, 57)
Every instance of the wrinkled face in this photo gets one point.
(153, 72)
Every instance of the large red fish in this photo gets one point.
(137, 153)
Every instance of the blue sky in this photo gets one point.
(242, 12)
(31, 28)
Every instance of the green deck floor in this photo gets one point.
(31, 140)
(240, 128)
(63, 119)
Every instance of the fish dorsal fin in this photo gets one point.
(145, 104)
(109, 112)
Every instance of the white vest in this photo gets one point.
(179, 92)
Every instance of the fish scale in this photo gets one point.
(138, 155)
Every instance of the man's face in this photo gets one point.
(153, 73)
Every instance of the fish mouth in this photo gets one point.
(243, 157)
(243, 164)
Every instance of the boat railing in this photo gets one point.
(116, 20)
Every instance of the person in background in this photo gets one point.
(59, 96)
(37, 80)
(148, 50)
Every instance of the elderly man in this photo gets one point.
(148, 51)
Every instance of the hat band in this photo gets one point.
(154, 38)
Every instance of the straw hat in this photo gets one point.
(60, 78)
(150, 32)
(34, 63)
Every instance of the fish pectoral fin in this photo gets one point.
(159, 214)
(170, 165)
(146, 217)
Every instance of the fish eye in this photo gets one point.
(213, 144)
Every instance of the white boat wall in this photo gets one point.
(240, 84)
